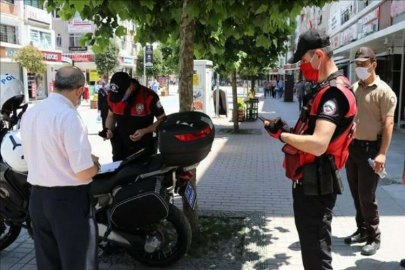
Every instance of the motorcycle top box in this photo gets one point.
(185, 138)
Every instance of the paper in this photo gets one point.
(109, 167)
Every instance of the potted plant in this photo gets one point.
(241, 110)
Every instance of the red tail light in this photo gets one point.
(192, 137)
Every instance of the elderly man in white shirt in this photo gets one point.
(61, 166)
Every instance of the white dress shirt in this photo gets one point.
(55, 143)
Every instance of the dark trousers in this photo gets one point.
(313, 219)
(299, 103)
(65, 231)
(363, 183)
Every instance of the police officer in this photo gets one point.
(130, 121)
(375, 122)
(317, 147)
(103, 107)
(60, 165)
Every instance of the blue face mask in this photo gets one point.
(125, 98)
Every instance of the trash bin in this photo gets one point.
(252, 109)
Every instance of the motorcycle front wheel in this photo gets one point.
(174, 232)
(8, 234)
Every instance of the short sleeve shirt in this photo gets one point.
(55, 143)
(373, 101)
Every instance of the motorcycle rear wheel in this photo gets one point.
(168, 255)
(10, 234)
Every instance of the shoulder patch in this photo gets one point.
(393, 100)
(158, 104)
(329, 108)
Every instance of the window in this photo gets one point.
(8, 1)
(8, 34)
(33, 3)
(55, 13)
(123, 43)
(74, 40)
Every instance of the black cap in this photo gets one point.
(119, 84)
(310, 40)
(364, 54)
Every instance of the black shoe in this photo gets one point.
(370, 248)
(358, 237)
(402, 263)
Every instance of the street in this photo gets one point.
(244, 173)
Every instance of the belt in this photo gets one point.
(61, 187)
(364, 143)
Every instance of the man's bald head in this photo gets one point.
(68, 78)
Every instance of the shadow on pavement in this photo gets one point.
(371, 264)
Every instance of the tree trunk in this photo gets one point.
(187, 33)
(253, 84)
(235, 102)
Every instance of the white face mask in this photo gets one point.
(362, 73)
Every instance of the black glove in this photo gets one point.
(277, 127)
(103, 133)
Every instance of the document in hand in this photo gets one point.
(109, 167)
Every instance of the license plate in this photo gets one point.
(190, 195)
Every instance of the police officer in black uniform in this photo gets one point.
(130, 121)
(317, 147)
(103, 107)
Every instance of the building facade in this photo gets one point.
(351, 24)
(23, 23)
(67, 39)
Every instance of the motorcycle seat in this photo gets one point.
(106, 182)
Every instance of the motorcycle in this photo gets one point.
(133, 201)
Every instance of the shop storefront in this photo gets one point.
(383, 30)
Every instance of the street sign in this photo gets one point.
(149, 56)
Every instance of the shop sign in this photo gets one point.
(335, 21)
(41, 40)
(128, 61)
(149, 56)
(77, 25)
(335, 41)
(8, 52)
(80, 57)
(36, 14)
(78, 49)
(397, 11)
(67, 60)
(369, 23)
(348, 35)
(397, 8)
(52, 56)
(93, 75)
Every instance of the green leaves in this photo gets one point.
(80, 4)
(262, 41)
(106, 62)
(262, 8)
(120, 31)
(31, 58)
(148, 3)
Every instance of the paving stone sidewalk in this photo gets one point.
(243, 173)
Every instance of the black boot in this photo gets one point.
(370, 248)
(360, 236)
(402, 263)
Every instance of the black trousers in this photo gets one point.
(363, 183)
(65, 231)
(313, 219)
